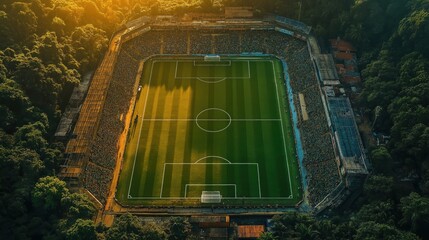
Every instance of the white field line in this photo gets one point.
(211, 120)
(162, 182)
(197, 198)
(222, 78)
(248, 68)
(175, 72)
(140, 131)
(196, 163)
(229, 64)
(218, 157)
(259, 180)
(283, 131)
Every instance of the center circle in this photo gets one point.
(213, 120)
(211, 80)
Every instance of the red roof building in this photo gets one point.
(250, 231)
(341, 45)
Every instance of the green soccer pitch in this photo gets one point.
(210, 126)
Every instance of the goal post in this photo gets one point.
(212, 58)
(211, 197)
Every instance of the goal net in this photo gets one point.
(212, 58)
(211, 197)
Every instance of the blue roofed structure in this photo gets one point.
(348, 141)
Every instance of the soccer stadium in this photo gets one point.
(222, 114)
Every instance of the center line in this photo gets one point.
(220, 120)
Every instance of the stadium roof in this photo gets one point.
(346, 134)
(326, 67)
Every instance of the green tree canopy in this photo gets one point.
(82, 229)
(77, 205)
(126, 226)
(379, 187)
(88, 37)
(375, 231)
(379, 212)
(47, 194)
(382, 160)
(178, 228)
(415, 212)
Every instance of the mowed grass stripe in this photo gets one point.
(133, 149)
(230, 107)
(251, 185)
(182, 138)
(169, 130)
(189, 137)
(219, 146)
(142, 167)
(153, 156)
(240, 133)
(210, 137)
(258, 83)
(273, 146)
(221, 150)
(203, 141)
(183, 111)
(268, 99)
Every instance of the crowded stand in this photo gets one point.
(201, 43)
(253, 41)
(226, 43)
(177, 44)
(319, 157)
(145, 45)
(97, 180)
(103, 151)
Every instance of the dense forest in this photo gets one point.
(46, 46)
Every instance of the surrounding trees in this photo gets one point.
(178, 228)
(363, 226)
(130, 227)
(82, 229)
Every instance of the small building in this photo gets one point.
(345, 61)
(250, 231)
(339, 45)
